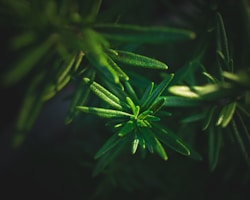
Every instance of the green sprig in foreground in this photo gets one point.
(135, 121)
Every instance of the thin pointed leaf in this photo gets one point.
(174, 142)
(131, 91)
(113, 141)
(183, 91)
(136, 59)
(176, 101)
(226, 114)
(138, 34)
(193, 118)
(214, 146)
(147, 92)
(118, 70)
(106, 158)
(154, 143)
(240, 141)
(208, 119)
(104, 94)
(222, 43)
(135, 144)
(103, 112)
(28, 113)
(157, 91)
(93, 46)
(80, 96)
(158, 104)
(127, 128)
(131, 105)
(25, 65)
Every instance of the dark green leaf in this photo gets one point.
(174, 142)
(26, 64)
(214, 146)
(127, 128)
(138, 34)
(104, 94)
(157, 91)
(103, 112)
(153, 143)
(176, 101)
(136, 59)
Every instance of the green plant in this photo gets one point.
(115, 67)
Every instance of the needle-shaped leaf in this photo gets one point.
(176, 143)
(109, 151)
(28, 113)
(157, 91)
(127, 128)
(154, 143)
(118, 70)
(131, 105)
(209, 117)
(183, 91)
(152, 118)
(93, 46)
(103, 112)
(147, 92)
(138, 34)
(23, 40)
(136, 59)
(104, 94)
(135, 143)
(158, 104)
(176, 101)
(80, 96)
(108, 145)
(214, 146)
(193, 118)
(222, 42)
(241, 142)
(26, 64)
(131, 91)
(226, 114)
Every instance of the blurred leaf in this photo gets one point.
(127, 128)
(111, 149)
(138, 34)
(241, 142)
(226, 114)
(222, 42)
(176, 101)
(214, 146)
(25, 65)
(174, 142)
(153, 142)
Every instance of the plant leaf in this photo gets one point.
(104, 94)
(138, 34)
(127, 128)
(136, 59)
(222, 43)
(103, 112)
(214, 146)
(154, 143)
(176, 101)
(26, 64)
(174, 142)
(226, 114)
(157, 91)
